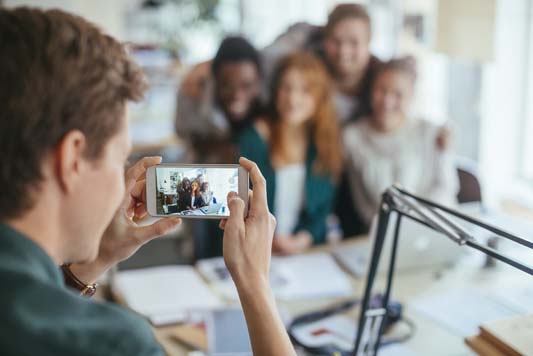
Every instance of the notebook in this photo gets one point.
(164, 294)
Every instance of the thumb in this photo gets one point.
(161, 227)
(236, 210)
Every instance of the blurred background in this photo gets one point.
(485, 91)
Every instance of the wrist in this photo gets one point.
(252, 285)
(89, 272)
(71, 280)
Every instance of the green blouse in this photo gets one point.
(319, 188)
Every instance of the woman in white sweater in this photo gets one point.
(390, 147)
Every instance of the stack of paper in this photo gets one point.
(164, 294)
(292, 278)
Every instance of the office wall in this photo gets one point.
(108, 14)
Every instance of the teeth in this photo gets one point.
(238, 107)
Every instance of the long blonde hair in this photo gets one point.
(324, 128)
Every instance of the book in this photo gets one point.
(509, 337)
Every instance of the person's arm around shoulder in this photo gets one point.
(261, 126)
(247, 253)
(354, 157)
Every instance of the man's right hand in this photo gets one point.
(248, 240)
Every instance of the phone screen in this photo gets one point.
(198, 191)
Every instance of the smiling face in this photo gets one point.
(186, 184)
(238, 87)
(391, 97)
(295, 102)
(347, 47)
(194, 187)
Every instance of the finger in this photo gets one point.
(236, 210)
(138, 169)
(139, 190)
(222, 224)
(159, 228)
(250, 198)
(140, 211)
(259, 184)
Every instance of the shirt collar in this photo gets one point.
(24, 255)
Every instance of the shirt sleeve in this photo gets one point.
(314, 218)
(196, 118)
(60, 322)
(294, 39)
(361, 194)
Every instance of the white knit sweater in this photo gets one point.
(408, 156)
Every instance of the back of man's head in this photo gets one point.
(58, 73)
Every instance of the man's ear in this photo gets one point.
(69, 158)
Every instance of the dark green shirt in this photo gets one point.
(319, 188)
(40, 316)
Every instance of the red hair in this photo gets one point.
(324, 128)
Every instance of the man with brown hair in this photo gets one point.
(64, 200)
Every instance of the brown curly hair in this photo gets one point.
(58, 73)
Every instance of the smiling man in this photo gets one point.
(64, 200)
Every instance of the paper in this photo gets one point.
(396, 350)
(292, 278)
(164, 294)
(518, 298)
(310, 276)
(462, 312)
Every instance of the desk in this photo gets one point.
(407, 285)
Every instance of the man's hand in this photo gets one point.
(123, 237)
(247, 253)
(248, 240)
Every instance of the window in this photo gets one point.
(526, 150)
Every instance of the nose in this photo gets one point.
(389, 101)
(345, 50)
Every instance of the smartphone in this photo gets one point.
(194, 190)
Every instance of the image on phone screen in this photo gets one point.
(200, 191)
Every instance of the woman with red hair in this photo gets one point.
(297, 148)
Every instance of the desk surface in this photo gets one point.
(407, 285)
